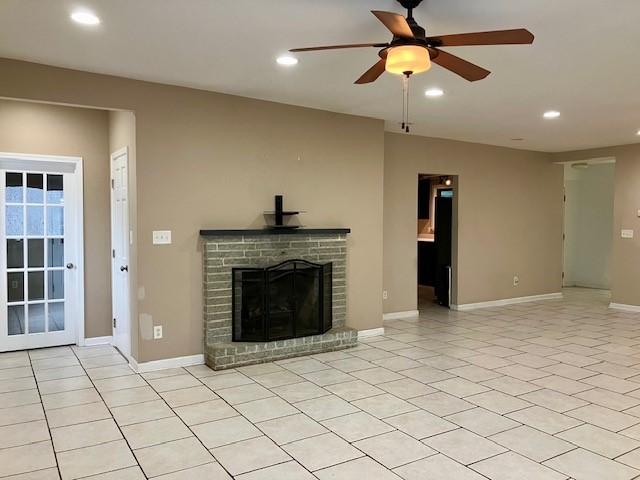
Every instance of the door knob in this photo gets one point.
(70, 266)
(124, 268)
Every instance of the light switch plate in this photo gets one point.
(627, 234)
(162, 237)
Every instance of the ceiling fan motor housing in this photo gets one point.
(409, 4)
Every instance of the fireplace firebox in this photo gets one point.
(289, 300)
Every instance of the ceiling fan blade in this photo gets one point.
(457, 65)
(394, 22)
(498, 37)
(334, 47)
(373, 73)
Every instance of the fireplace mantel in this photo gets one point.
(275, 231)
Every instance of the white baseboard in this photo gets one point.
(400, 315)
(175, 362)
(507, 301)
(373, 332)
(625, 308)
(90, 342)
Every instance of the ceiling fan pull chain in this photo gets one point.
(404, 89)
(407, 117)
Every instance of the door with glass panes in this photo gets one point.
(40, 261)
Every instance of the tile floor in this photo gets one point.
(533, 391)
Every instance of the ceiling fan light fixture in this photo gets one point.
(407, 59)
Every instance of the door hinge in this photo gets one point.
(113, 253)
(113, 184)
(114, 323)
(562, 274)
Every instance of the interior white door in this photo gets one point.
(120, 241)
(41, 282)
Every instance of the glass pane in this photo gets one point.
(15, 319)
(35, 220)
(56, 317)
(15, 286)
(56, 284)
(35, 184)
(56, 252)
(55, 193)
(36, 318)
(15, 253)
(35, 253)
(36, 286)
(15, 220)
(13, 193)
(55, 221)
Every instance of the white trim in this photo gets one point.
(90, 342)
(507, 301)
(399, 315)
(589, 161)
(625, 308)
(372, 332)
(175, 362)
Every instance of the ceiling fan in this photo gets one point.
(411, 51)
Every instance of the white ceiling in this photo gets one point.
(584, 61)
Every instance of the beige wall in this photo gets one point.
(509, 219)
(625, 266)
(55, 130)
(207, 160)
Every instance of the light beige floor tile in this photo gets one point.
(188, 396)
(511, 466)
(359, 468)
(289, 429)
(329, 376)
(600, 441)
(631, 459)
(306, 365)
(59, 373)
(532, 443)
(250, 455)
(23, 434)
(483, 422)
(101, 458)
(141, 412)
(151, 433)
(233, 379)
(441, 404)
(397, 363)
(93, 351)
(226, 431)
(357, 426)
(324, 408)
(562, 385)
(545, 420)
(17, 399)
(109, 372)
(569, 371)
(46, 474)
(443, 362)
(15, 372)
(613, 384)
(129, 473)
(609, 399)
(277, 379)
(406, 388)
(69, 399)
(26, 458)
(334, 451)
(205, 412)
(464, 446)
(166, 372)
(266, 409)
(64, 385)
(201, 371)
(424, 374)
(209, 471)
(523, 373)
(459, 387)
(420, 424)
(260, 369)
(103, 360)
(119, 383)
(439, 468)
(498, 402)
(556, 401)
(383, 406)
(61, 417)
(172, 456)
(604, 417)
(174, 383)
(21, 414)
(300, 391)
(474, 373)
(244, 393)
(394, 449)
(352, 364)
(17, 384)
(354, 390)
(85, 435)
(584, 465)
(129, 396)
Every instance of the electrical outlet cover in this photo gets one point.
(157, 332)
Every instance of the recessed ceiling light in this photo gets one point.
(84, 17)
(638, 132)
(287, 60)
(434, 92)
(551, 114)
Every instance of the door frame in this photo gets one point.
(77, 162)
(113, 156)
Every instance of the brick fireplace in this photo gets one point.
(226, 250)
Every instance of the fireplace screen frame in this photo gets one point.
(262, 280)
